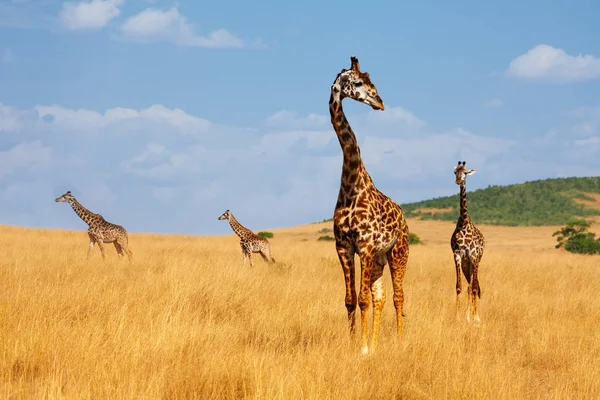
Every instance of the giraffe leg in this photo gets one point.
(346, 256)
(397, 259)
(101, 247)
(247, 251)
(118, 248)
(475, 296)
(91, 246)
(268, 254)
(265, 257)
(366, 269)
(378, 295)
(470, 297)
(457, 263)
(124, 248)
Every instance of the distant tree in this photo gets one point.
(265, 234)
(326, 237)
(413, 238)
(575, 238)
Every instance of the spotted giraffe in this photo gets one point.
(249, 241)
(366, 221)
(467, 245)
(100, 231)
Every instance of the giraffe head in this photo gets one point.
(65, 198)
(225, 215)
(461, 172)
(358, 86)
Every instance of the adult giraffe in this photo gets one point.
(366, 222)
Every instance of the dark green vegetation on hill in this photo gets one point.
(535, 203)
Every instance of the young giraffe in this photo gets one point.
(467, 244)
(365, 220)
(100, 231)
(249, 241)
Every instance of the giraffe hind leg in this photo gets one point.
(101, 247)
(397, 259)
(124, 246)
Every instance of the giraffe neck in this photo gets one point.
(238, 228)
(353, 170)
(86, 215)
(464, 215)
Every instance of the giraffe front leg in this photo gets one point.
(457, 263)
(378, 295)
(346, 257)
(91, 246)
(470, 299)
(366, 264)
(476, 294)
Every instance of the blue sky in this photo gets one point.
(160, 115)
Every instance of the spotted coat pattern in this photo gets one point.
(467, 243)
(100, 231)
(249, 241)
(366, 221)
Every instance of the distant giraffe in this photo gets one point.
(366, 221)
(100, 231)
(467, 244)
(249, 241)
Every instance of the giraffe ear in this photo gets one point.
(355, 65)
(471, 172)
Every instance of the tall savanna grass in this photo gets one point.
(185, 320)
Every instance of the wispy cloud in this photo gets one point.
(132, 163)
(545, 63)
(89, 15)
(170, 26)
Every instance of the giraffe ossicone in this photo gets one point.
(467, 244)
(250, 242)
(365, 220)
(100, 231)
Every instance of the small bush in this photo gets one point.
(575, 238)
(326, 230)
(413, 238)
(326, 238)
(266, 235)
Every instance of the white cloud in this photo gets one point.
(129, 164)
(25, 157)
(494, 103)
(91, 15)
(154, 25)
(549, 64)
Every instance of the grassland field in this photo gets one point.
(184, 320)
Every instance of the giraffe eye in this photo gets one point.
(357, 83)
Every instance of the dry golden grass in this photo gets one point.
(184, 320)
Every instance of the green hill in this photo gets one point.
(535, 203)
